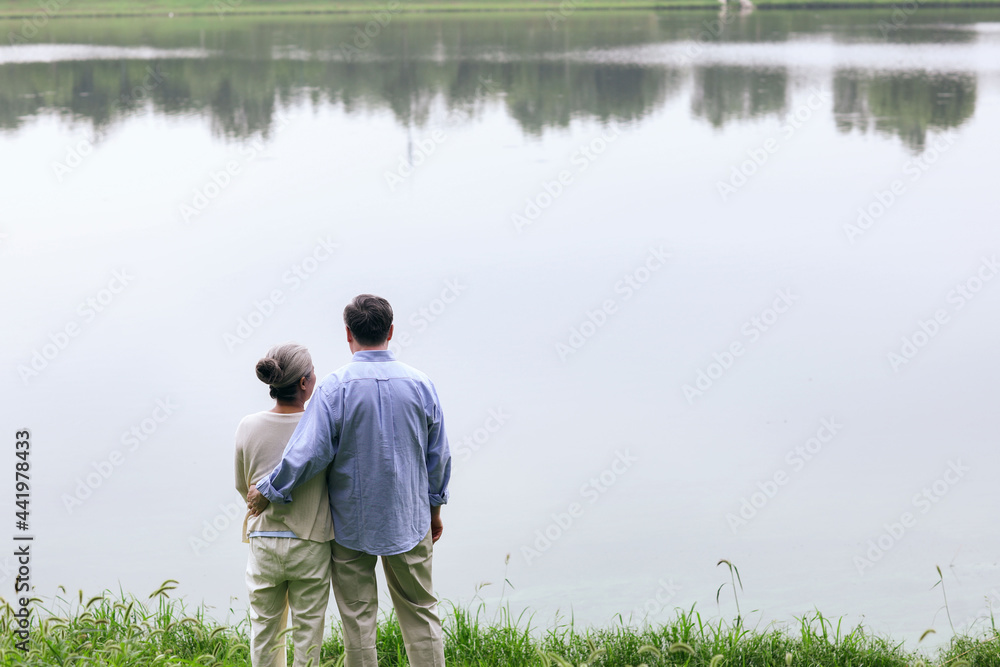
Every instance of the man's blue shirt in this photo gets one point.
(377, 424)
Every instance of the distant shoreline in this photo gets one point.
(28, 9)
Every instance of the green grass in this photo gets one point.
(224, 8)
(124, 630)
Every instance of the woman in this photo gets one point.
(289, 564)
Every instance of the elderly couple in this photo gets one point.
(360, 473)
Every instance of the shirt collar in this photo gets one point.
(374, 355)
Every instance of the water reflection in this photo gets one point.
(544, 77)
(906, 105)
(552, 94)
(723, 94)
(241, 97)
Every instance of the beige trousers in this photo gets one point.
(409, 578)
(286, 574)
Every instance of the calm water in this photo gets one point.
(692, 287)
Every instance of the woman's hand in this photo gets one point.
(256, 502)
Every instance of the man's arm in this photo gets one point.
(437, 527)
(309, 451)
(438, 464)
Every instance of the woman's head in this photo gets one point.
(287, 369)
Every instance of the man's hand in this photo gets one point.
(256, 502)
(437, 527)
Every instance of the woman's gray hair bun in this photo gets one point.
(268, 370)
(282, 368)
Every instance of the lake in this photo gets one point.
(691, 286)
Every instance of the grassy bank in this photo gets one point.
(123, 630)
(563, 8)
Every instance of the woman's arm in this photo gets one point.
(241, 473)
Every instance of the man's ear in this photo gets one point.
(389, 337)
(350, 338)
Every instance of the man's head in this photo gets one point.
(369, 322)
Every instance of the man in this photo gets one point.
(377, 424)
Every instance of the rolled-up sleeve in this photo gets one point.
(309, 451)
(438, 453)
